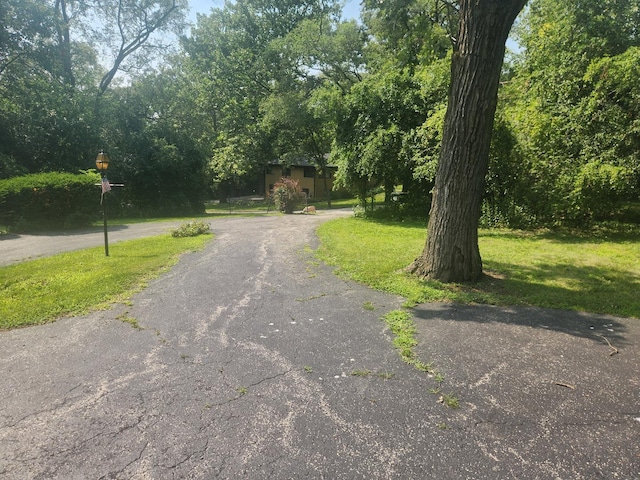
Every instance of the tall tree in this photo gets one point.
(408, 45)
(240, 63)
(571, 107)
(50, 73)
(127, 30)
(451, 253)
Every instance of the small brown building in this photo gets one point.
(308, 175)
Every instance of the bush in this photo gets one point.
(286, 194)
(413, 205)
(49, 200)
(599, 188)
(191, 229)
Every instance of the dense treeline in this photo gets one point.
(253, 81)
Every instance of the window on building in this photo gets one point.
(309, 172)
(286, 172)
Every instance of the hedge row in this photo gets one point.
(49, 201)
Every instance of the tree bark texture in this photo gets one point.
(451, 253)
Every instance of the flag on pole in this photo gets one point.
(106, 186)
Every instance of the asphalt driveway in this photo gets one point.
(16, 248)
(255, 361)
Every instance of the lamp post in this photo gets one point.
(102, 162)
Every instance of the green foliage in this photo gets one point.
(50, 200)
(245, 61)
(599, 188)
(160, 179)
(410, 32)
(611, 110)
(402, 326)
(74, 283)
(571, 107)
(594, 271)
(287, 194)
(374, 131)
(191, 229)
(52, 84)
(257, 81)
(508, 182)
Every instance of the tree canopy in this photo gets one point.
(198, 113)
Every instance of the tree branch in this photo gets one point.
(128, 48)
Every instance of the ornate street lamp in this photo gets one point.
(102, 162)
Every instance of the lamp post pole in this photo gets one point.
(102, 162)
(104, 219)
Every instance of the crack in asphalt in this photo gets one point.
(157, 404)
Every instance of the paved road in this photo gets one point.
(17, 248)
(255, 361)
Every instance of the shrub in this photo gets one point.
(286, 194)
(599, 188)
(191, 229)
(49, 200)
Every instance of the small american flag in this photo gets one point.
(106, 186)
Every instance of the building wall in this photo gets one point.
(314, 186)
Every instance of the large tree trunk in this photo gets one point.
(451, 253)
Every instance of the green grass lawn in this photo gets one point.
(598, 273)
(41, 291)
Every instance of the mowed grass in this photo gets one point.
(40, 291)
(598, 273)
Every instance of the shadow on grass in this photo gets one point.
(598, 233)
(410, 224)
(582, 288)
(8, 236)
(80, 231)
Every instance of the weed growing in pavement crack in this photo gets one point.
(242, 390)
(126, 318)
(403, 327)
(369, 306)
(450, 400)
(308, 369)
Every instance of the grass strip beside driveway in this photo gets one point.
(598, 273)
(74, 283)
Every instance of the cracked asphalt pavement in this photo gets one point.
(255, 361)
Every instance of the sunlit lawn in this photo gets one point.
(41, 291)
(598, 273)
